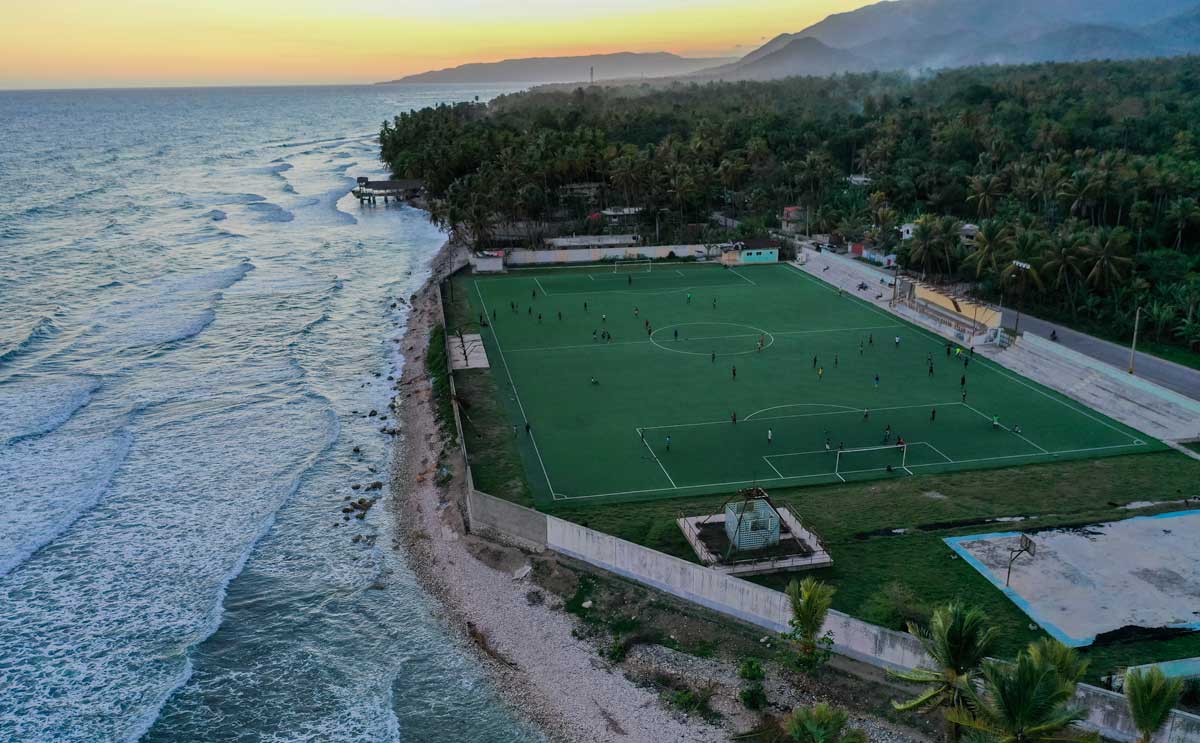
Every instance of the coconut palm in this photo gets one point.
(821, 724)
(1028, 701)
(1150, 696)
(810, 600)
(986, 190)
(1065, 660)
(1183, 212)
(1107, 251)
(1062, 260)
(958, 639)
(992, 245)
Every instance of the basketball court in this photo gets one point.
(656, 380)
(1079, 584)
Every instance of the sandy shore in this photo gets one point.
(528, 644)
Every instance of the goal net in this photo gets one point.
(632, 267)
(871, 459)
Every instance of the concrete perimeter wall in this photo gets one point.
(596, 255)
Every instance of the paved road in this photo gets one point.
(1168, 374)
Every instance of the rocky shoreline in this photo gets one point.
(533, 650)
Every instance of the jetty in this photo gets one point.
(368, 191)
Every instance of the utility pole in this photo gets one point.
(1137, 316)
(1023, 266)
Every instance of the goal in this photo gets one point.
(632, 267)
(871, 459)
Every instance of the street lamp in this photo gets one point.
(1022, 266)
(1137, 316)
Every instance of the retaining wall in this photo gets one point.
(596, 255)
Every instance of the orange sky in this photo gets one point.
(101, 43)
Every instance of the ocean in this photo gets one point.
(195, 321)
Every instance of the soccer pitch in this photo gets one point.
(809, 392)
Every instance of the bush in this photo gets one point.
(753, 696)
(751, 670)
(894, 606)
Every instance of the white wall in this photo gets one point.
(596, 255)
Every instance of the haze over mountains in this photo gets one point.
(897, 34)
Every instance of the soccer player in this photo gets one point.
(948, 349)
(533, 293)
(995, 422)
(897, 341)
(877, 380)
(770, 435)
(932, 414)
(887, 433)
(585, 309)
(931, 368)
(714, 303)
(539, 318)
(714, 357)
(668, 442)
(528, 428)
(603, 318)
(835, 360)
(676, 333)
(860, 347)
(594, 380)
(636, 312)
(964, 395)
(593, 336)
(866, 414)
(530, 311)
(966, 361)
(962, 382)
(560, 315)
(929, 359)
(630, 277)
(871, 339)
(1017, 429)
(733, 417)
(828, 445)
(734, 370)
(689, 298)
(820, 373)
(972, 351)
(814, 362)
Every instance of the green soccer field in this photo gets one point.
(808, 407)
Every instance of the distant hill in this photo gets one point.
(932, 34)
(567, 69)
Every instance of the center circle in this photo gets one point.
(716, 332)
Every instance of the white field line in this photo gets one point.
(987, 364)
(939, 451)
(743, 278)
(797, 415)
(1006, 428)
(655, 456)
(767, 459)
(538, 281)
(520, 405)
(849, 472)
(705, 338)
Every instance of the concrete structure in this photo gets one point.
(807, 551)
(750, 251)
(907, 229)
(794, 220)
(467, 352)
(751, 524)
(489, 261)
(367, 190)
(600, 254)
(589, 242)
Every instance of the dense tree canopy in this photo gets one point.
(1087, 172)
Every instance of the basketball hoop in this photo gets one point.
(1025, 546)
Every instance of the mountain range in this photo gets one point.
(622, 65)
(912, 35)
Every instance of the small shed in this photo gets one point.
(751, 524)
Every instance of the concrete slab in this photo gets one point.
(475, 356)
(1143, 572)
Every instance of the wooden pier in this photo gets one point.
(368, 191)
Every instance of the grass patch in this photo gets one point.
(886, 537)
(437, 365)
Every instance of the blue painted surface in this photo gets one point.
(760, 256)
(956, 544)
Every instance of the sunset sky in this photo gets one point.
(103, 43)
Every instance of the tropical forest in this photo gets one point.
(1078, 183)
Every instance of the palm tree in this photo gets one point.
(1161, 314)
(1183, 212)
(1023, 702)
(1107, 252)
(922, 250)
(810, 600)
(992, 245)
(1065, 660)
(1150, 696)
(1062, 261)
(986, 190)
(821, 724)
(958, 639)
